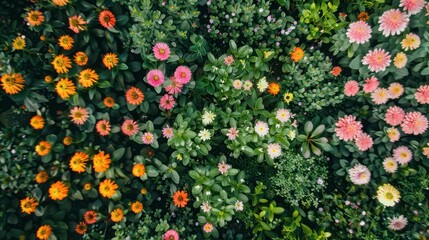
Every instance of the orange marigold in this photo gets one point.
(108, 188)
(43, 148)
(336, 71)
(81, 228)
(66, 42)
(109, 102)
(107, 19)
(274, 88)
(44, 232)
(117, 215)
(65, 88)
(77, 23)
(297, 54)
(180, 199)
(101, 162)
(363, 16)
(110, 60)
(41, 177)
(60, 3)
(78, 162)
(80, 58)
(134, 96)
(35, 18)
(58, 191)
(90, 217)
(67, 140)
(37, 122)
(12, 83)
(61, 64)
(137, 207)
(88, 77)
(139, 170)
(28, 205)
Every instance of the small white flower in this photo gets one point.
(238, 206)
(262, 84)
(274, 150)
(206, 207)
(261, 128)
(208, 117)
(204, 135)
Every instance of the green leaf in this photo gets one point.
(232, 45)
(104, 84)
(118, 153)
(355, 63)
(175, 177)
(308, 127)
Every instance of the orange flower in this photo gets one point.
(77, 23)
(274, 88)
(101, 162)
(363, 16)
(139, 170)
(12, 83)
(28, 205)
(78, 162)
(67, 140)
(90, 217)
(109, 102)
(110, 60)
(180, 199)
(103, 127)
(108, 188)
(42, 177)
(60, 3)
(80, 58)
(88, 77)
(87, 186)
(79, 115)
(58, 191)
(48, 79)
(35, 18)
(297, 54)
(336, 71)
(44, 232)
(81, 228)
(37, 122)
(66, 42)
(43, 148)
(117, 215)
(107, 19)
(19, 43)
(143, 191)
(134, 96)
(61, 64)
(137, 207)
(65, 88)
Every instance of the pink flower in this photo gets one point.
(147, 138)
(348, 128)
(174, 87)
(167, 102)
(351, 88)
(171, 235)
(377, 60)
(395, 90)
(370, 84)
(397, 223)
(394, 116)
(359, 174)
(208, 228)
(363, 142)
(359, 32)
(161, 51)
(228, 60)
(283, 115)
(129, 127)
(167, 132)
(79, 115)
(422, 94)
(274, 150)
(103, 127)
(223, 167)
(393, 22)
(155, 78)
(380, 96)
(183, 74)
(414, 123)
(413, 6)
(393, 134)
(402, 155)
(232, 133)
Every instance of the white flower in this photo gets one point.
(208, 117)
(206, 207)
(261, 128)
(262, 84)
(283, 115)
(291, 134)
(274, 150)
(204, 135)
(238, 206)
(397, 223)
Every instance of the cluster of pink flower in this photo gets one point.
(348, 128)
(411, 123)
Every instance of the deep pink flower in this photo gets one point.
(363, 142)
(129, 127)
(370, 84)
(166, 102)
(393, 22)
(348, 128)
(394, 116)
(351, 88)
(155, 78)
(161, 51)
(174, 87)
(413, 6)
(422, 94)
(359, 32)
(183, 74)
(171, 235)
(414, 123)
(377, 60)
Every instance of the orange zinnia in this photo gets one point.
(60, 3)
(363, 16)
(81, 228)
(87, 186)
(274, 88)
(297, 54)
(139, 170)
(109, 102)
(90, 216)
(88, 77)
(101, 162)
(77, 23)
(110, 60)
(66, 42)
(67, 140)
(108, 188)
(134, 96)
(35, 18)
(103, 127)
(61, 64)
(107, 19)
(58, 191)
(78, 162)
(43, 148)
(44, 232)
(37, 122)
(28, 205)
(117, 215)
(42, 177)
(137, 207)
(180, 199)
(336, 71)
(80, 58)
(12, 83)
(65, 88)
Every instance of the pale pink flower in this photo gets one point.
(283, 115)
(402, 155)
(79, 115)
(359, 32)
(422, 94)
(414, 123)
(171, 235)
(377, 60)
(232, 133)
(229, 60)
(183, 74)
(380, 96)
(348, 128)
(237, 84)
(412, 6)
(223, 167)
(208, 228)
(395, 90)
(274, 150)
(155, 78)
(393, 22)
(161, 51)
(393, 134)
(370, 84)
(147, 138)
(397, 223)
(247, 85)
(359, 174)
(400, 60)
(410, 42)
(394, 116)
(167, 102)
(364, 142)
(205, 206)
(167, 132)
(129, 127)
(390, 165)
(427, 10)
(174, 87)
(351, 88)
(261, 128)
(238, 206)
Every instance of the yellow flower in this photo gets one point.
(66, 42)
(78, 162)
(12, 83)
(143, 191)
(61, 63)
(101, 162)
(88, 77)
(110, 60)
(108, 188)
(58, 191)
(18, 43)
(288, 97)
(28, 205)
(137, 207)
(44, 232)
(267, 54)
(400, 60)
(388, 195)
(87, 186)
(65, 88)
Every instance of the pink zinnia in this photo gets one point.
(129, 127)
(380, 96)
(393, 22)
(359, 174)
(351, 88)
(394, 116)
(395, 90)
(223, 167)
(174, 87)
(414, 123)
(79, 115)
(348, 128)
(147, 138)
(359, 32)
(393, 134)
(413, 6)
(103, 127)
(363, 142)
(155, 78)
(167, 132)
(422, 94)
(183, 74)
(229, 60)
(166, 102)
(232, 133)
(402, 155)
(370, 84)
(397, 223)
(161, 51)
(377, 60)
(171, 235)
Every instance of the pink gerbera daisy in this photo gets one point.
(171, 235)
(395, 90)
(370, 84)
(380, 96)
(363, 142)
(167, 132)
(161, 51)
(147, 138)
(377, 60)
(79, 115)
(393, 22)
(167, 102)
(351, 88)
(103, 127)
(402, 155)
(414, 123)
(155, 78)
(348, 128)
(422, 94)
(394, 116)
(359, 32)
(129, 127)
(412, 6)
(232, 133)
(183, 74)
(174, 87)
